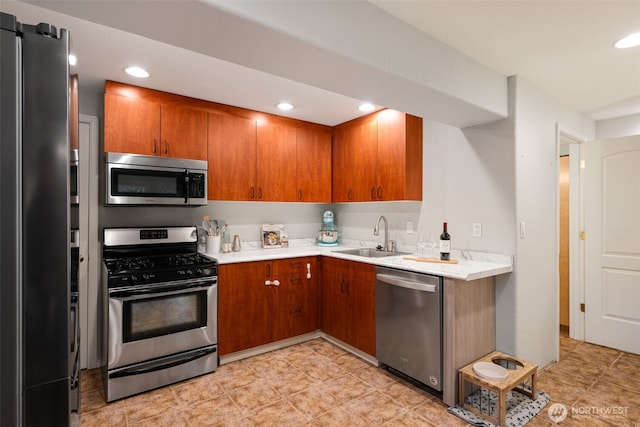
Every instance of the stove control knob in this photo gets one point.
(145, 277)
(135, 279)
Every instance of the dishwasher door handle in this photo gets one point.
(409, 284)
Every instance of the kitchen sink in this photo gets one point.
(368, 252)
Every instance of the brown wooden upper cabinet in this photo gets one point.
(232, 158)
(268, 160)
(140, 121)
(255, 156)
(313, 165)
(378, 158)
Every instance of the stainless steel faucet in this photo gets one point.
(376, 231)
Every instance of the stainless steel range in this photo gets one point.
(161, 309)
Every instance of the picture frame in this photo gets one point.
(271, 236)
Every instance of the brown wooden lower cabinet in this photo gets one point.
(348, 303)
(266, 301)
(253, 311)
(244, 306)
(296, 298)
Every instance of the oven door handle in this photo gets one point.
(146, 292)
(161, 364)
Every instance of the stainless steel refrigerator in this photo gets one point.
(35, 260)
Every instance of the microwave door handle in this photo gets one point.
(186, 187)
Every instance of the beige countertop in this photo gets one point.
(470, 266)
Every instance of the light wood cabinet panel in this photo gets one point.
(468, 328)
(313, 165)
(378, 158)
(131, 125)
(348, 303)
(232, 158)
(276, 162)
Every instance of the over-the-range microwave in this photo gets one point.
(134, 179)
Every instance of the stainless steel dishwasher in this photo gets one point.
(409, 324)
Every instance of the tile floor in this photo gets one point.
(319, 384)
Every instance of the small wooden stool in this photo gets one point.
(517, 373)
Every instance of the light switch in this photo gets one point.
(409, 227)
(477, 229)
(522, 230)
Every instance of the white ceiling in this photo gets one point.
(562, 47)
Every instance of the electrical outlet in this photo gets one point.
(477, 229)
(409, 227)
(522, 230)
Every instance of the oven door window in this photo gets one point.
(150, 183)
(157, 316)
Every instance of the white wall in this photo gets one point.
(465, 179)
(536, 269)
(620, 126)
(243, 218)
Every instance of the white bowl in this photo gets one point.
(490, 371)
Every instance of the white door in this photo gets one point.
(612, 243)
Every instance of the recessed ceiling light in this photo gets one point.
(284, 106)
(631, 40)
(73, 60)
(137, 72)
(366, 107)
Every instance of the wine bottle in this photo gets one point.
(445, 243)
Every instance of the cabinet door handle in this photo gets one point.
(166, 147)
(299, 194)
(348, 292)
(341, 286)
(373, 192)
(270, 282)
(259, 193)
(350, 194)
(155, 147)
(308, 270)
(379, 192)
(252, 193)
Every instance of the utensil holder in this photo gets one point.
(213, 245)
